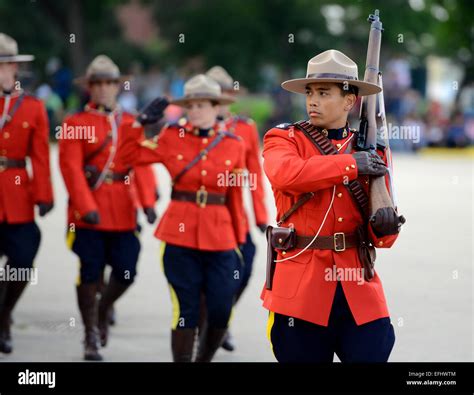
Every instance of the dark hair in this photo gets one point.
(214, 103)
(351, 89)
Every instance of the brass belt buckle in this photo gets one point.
(3, 163)
(201, 198)
(109, 177)
(336, 248)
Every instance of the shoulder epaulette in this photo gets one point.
(178, 124)
(244, 119)
(283, 126)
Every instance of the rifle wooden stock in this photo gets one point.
(378, 193)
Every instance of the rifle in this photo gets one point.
(379, 197)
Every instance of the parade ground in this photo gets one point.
(427, 277)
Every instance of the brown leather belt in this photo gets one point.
(113, 176)
(201, 197)
(6, 163)
(109, 178)
(337, 242)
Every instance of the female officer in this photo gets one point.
(204, 222)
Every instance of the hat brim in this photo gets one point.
(16, 58)
(298, 85)
(222, 99)
(233, 92)
(84, 80)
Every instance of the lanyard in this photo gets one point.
(114, 119)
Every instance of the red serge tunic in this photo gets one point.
(26, 135)
(304, 287)
(115, 201)
(184, 223)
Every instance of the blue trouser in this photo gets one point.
(95, 248)
(191, 272)
(20, 243)
(295, 340)
(248, 253)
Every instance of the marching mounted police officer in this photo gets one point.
(322, 292)
(246, 128)
(24, 132)
(204, 222)
(102, 217)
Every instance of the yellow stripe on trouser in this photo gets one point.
(271, 320)
(70, 238)
(174, 297)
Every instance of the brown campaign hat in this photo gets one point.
(222, 77)
(202, 87)
(9, 51)
(101, 68)
(331, 66)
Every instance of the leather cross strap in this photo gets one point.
(198, 157)
(302, 200)
(13, 110)
(324, 145)
(88, 158)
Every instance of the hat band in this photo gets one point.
(7, 55)
(332, 75)
(101, 76)
(201, 94)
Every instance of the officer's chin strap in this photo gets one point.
(324, 219)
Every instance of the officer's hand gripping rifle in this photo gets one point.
(379, 196)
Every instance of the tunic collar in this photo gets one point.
(335, 134)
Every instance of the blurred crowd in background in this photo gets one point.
(437, 125)
(426, 61)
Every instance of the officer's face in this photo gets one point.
(7, 74)
(326, 106)
(202, 113)
(104, 92)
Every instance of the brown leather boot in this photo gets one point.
(87, 300)
(102, 286)
(12, 292)
(112, 292)
(182, 344)
(210, 340)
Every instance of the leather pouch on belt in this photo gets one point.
(277, 239)
(283, 238)
(92, 175)
(366, 253)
